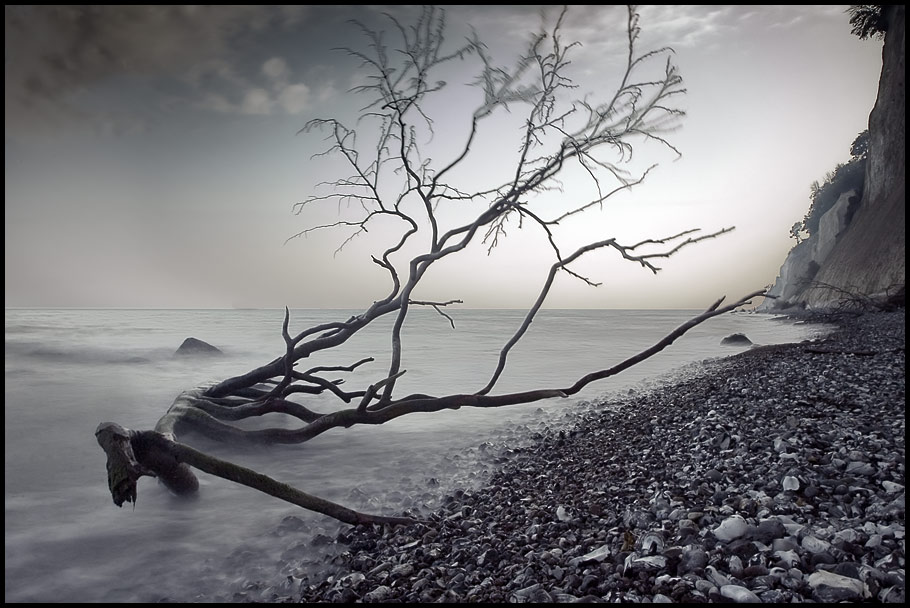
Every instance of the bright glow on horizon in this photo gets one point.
(157, 165)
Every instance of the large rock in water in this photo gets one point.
(737, 340)
(194, 347)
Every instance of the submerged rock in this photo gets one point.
(194, 347)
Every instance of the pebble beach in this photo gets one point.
(776, 475)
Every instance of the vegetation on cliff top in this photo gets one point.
(867, 21)
(845, 176)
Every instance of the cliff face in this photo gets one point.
(868, 257)
(806, 259)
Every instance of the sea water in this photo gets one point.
(69, 370)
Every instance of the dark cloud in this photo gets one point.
(56, 52)
(113, 67)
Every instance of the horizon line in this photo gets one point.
(312, 308)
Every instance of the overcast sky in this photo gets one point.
(152, 154)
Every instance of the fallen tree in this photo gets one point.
(391, 180)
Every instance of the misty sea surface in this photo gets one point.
(69, 370)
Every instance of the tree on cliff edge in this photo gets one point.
(390, 182)
(868, 20)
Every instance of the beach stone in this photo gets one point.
(739, 594)
(830, 587)
(787, 543)
(650, 543)
(649, 563)
(768, 530)
(822, 557)
(859, 468)
(891, 487)
(731, 528)
(790, 483)
(597, 555)
(847, 535)
(379, 594)
(533, 594)
(488, 557)
(716, 577)
(705, 587)
(743, 548)
(786, 559)
(773, 596)
(693, 559)
(892, 595)
(735, 565)
(848, 569)
(687, 523)
(402, 570)
(813, 544)
(347, 596)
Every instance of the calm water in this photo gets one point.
(68, 370)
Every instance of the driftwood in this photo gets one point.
(134, 454)
(392, 183)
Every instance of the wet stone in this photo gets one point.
(378, 594)
(831, 587)
(655, 509)
(731, 528)
(814, 545)
(739, 595)
(767, 530)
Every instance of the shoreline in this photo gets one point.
(776, 475)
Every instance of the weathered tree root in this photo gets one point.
(134, 454)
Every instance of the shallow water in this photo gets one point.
(68, 370)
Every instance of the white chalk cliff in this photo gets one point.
(865, 257)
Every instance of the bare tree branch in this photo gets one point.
(387, 175)
(437, 305)
(561, 265)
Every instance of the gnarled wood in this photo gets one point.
(133, 454)
(123, 468)
(555, 133)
